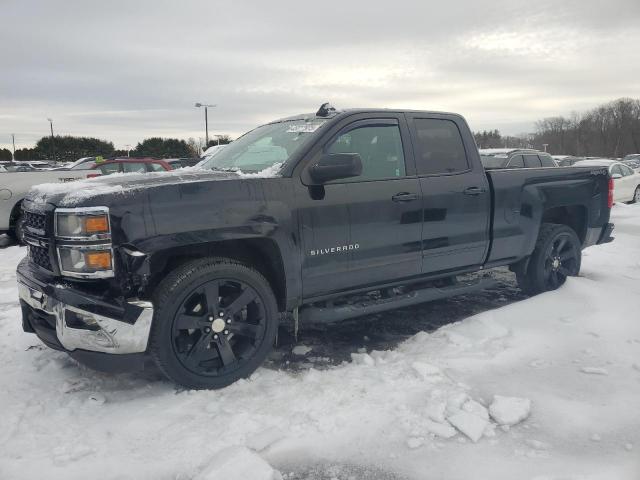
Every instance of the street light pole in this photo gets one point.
(206, 121)
(13, 140)
(53, 148)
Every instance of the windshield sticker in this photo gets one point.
(305, 128)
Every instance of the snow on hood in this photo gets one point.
(73, 193)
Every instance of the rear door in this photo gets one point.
(368, 229)
(455, 194)
(532, 161)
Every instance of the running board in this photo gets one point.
(330, 314)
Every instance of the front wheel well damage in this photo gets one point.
(262, 254)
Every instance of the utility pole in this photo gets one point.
(545, 145)
(53, 148)
(206, 121)
(13, 140)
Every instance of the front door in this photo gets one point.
(365, 230)
(455, 195)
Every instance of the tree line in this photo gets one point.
(69, 148)
(609, 130)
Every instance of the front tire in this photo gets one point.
(215, 322)
(556, 256)
(636, 195)
(17, 233)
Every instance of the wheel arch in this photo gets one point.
(573, 216)
(261, 253)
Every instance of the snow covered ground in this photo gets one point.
(431, 408)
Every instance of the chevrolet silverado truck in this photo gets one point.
(313, 218)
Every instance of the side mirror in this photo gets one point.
(615, 176)
(334, 166)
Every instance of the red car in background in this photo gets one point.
(130, 165)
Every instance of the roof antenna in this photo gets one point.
(325, 110)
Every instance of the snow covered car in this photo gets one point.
(625, 179)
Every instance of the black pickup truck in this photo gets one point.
(195, 269)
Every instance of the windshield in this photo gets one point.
(264, 147)
(493, 161)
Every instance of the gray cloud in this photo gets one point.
(128, 70)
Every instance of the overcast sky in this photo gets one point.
(127, 70)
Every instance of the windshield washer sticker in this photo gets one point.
(339, 249)
(305, 128)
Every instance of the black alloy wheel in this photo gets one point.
(217, 325)
(215, 321)
(556, 256)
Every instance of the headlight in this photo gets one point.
(86, 261)
(89, 223)
(83, 237)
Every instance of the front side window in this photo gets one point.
(516, 162)
(616, 170)
(156, 167)
(264, 146)
(379, 147)
(626, 171)
(439, 147)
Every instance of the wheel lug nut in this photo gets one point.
(228, 320)
(207, 330)
(222, 314)
(215, 337)
(210, 318)
(226, 332)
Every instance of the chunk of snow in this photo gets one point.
(469, 424)
(509, 410)
(415, 442)
(471, 406)
(264, 439)
(301, 350)
(594, 370)
(238, 463)
(362, 359)
(426, 371)
(96, 399)
(443, 430)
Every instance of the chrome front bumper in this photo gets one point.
(99, 333)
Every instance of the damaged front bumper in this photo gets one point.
(84, 325)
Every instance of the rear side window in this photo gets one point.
(532, 161)
(516, 162)
(439, 147)
(110, 168)
(547, 161)
(134, 167)
(379, 147)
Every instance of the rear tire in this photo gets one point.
(215, 322)
(556, 256)
(636, 195)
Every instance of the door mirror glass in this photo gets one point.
(334, 166)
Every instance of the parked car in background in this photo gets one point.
(129, 165)
(85, 163)
(36, 164)
(626, 180)
(14, 186)
(14, 167)
(177, 163)
(567, 160)
(632, 162)
(495, 158)
(631, 156)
